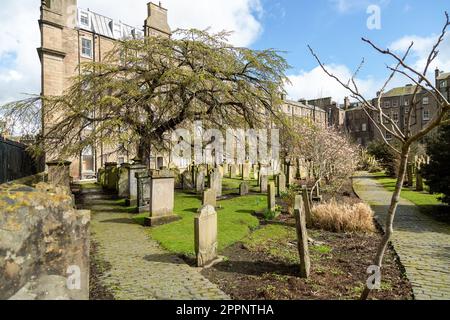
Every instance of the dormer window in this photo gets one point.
(116, 29)
(84, 19)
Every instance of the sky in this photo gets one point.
(333, 28)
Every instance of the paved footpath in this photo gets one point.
(140, 268)
(422, 243)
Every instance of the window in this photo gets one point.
(364, 127)
(406, 110)
(84, 19)
(426, 114)
(426, 100)
(406, 103)
(387, 104)
(86, 48)
(395, 116)
(395, 103)
(443, 83)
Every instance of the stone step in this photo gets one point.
(96, 196)
(99, 201)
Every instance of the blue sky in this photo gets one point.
(332, 27)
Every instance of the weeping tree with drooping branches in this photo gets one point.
(146, 88)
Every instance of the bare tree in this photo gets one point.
(385, 124)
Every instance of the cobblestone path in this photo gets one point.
(139, 268)
(422, 243)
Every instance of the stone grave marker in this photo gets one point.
(209, 198)
(205, 227)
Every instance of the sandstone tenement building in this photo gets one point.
(70, 36)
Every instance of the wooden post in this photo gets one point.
(302, 238)
(307, 205)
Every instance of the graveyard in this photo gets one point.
(251, 254)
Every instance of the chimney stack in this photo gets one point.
(346, 103)
(156, 23)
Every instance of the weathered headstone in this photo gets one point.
(307, 205)
(143, 191)
(59, 173)
(205, 227)
(132, 182)
(271, 203)
(281, 184)
(187, 181)
(233, 169)
(215, 182)
(162, 195)
(244, 189)
(123, 185)
(419, 178)
(226, 169)
(264, 180)
(209, 198)
(112, 176)
(302, 238)
(255, 174)
(246, 171)
(200, 181)
(409, 171)
(289, 174)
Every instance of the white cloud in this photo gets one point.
(19, 62)
(316, 84)
(240, 16)
(346, 6)
(421, 50)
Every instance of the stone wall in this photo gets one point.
(44, 244)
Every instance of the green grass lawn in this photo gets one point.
(235, 221)
(418, 198)
(427, 203)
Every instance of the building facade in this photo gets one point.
(71, 36)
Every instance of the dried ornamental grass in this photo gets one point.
(343, 217)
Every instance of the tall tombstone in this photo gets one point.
(271, 203)
(143, 191)
(281, 184)
(246, 171)
(112, 176)
(307, 205)
(123, 185)
(59, 173)
(209, 198)
(302, 238)
(244, 189)
(162, 198)
(298, 173)
(205, 229)
(255, 174)
(233, 168)
(220, 168)
(264, 180)
(289, 173)
(226, 169)
(419, 178)
(200, 182)
(215, 182)
(132, 182)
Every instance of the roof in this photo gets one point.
(443, 76)
(400, 91)
(302, 105)
(107, 27)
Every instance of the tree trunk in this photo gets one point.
(389, 228)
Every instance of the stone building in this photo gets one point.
(70, 36)
(302, 108)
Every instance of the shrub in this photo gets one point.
(437, 173)
(385, 156)
(270, 215)
(343, 217)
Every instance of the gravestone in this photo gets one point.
(244, 189)
(187, 181)
(289, 173)
(307, 205)
(226, 170)
(215, 182)
(205, 227)
(59, 173)
(209, 198)
(263, 183)
(246, 171)
(162, 195)
(409, 171)
(112, 176)
(419, 178)
(123, 185)
(132, 183)
(302, 238)
(233, 169)
(281, 184)
(271, 203)
(143, 191)
(200, 182)
(255, 174)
